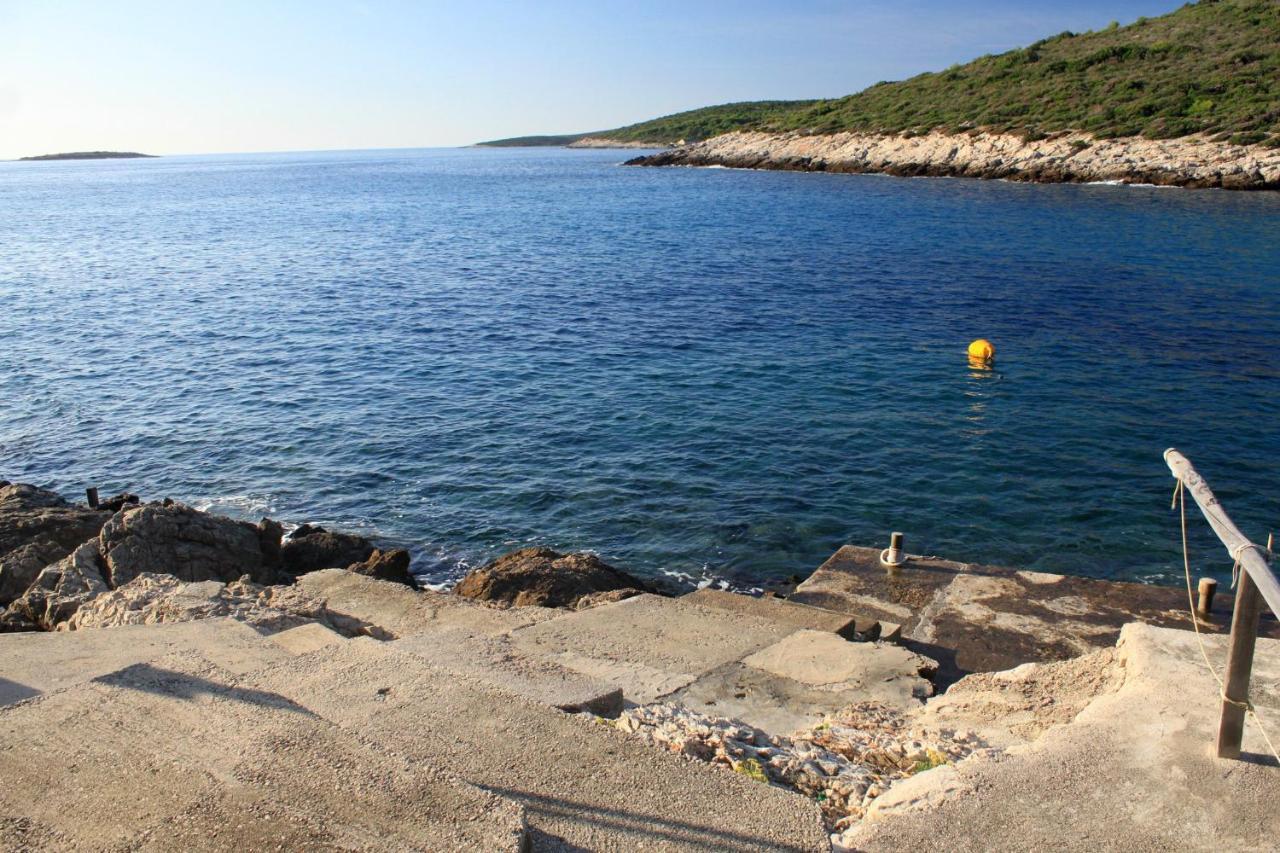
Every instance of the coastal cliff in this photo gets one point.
(1069, 157)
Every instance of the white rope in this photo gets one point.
(1180, 501)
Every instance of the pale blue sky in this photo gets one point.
(185, 77)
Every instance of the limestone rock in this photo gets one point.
(545, 578)
(387, 566)
(58, 591)
(181, 541)
(150, 599)
(312, 548)
(38, 528)
(1191, 161)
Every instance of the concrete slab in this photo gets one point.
(306, 638)
(978, 618)
(170, 755)
(784, 612)
(494, 660)
(878, 672)
(585, 785)
(403, 612)
(663, 642)
(774, 703)
(1135, 770)
(41, 662)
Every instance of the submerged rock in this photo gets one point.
(38, 528)
(311, 548)
(184, 542)
(545, 578)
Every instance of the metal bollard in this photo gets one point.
(1204, 605)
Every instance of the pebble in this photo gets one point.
(844, 762)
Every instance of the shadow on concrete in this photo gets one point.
(1262, 759)
(656, 831)
(179, 685)
(12, 691)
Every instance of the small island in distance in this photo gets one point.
(90, 155)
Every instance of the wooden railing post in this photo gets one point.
(1257, 584)
(1244, 635)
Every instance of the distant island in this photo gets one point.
(90, 155)
(1191, 98)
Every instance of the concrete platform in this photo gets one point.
(584, 785)
(39, 662)
(978, 618)
(1135, 770)
(403, 612)
(494, 660)
(649, 645)
(170, 755)
(786, 612)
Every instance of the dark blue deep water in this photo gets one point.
(710, 372)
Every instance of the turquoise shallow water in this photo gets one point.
(711, 373)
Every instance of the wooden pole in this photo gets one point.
(1244, 635)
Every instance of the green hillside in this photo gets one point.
(1209, 67)
(534, 141)
(694, 125)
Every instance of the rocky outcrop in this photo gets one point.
(179, 540)
(1061, 158)
(38, 528)
(386, 566)
(312, 548)
(545, 578)
(150, 599)
(58, 591)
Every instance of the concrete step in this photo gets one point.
(648, 645)
(173, 755)
(495, 660)
(403, 612)
(584, 784)
(788, 613)
(39, 662)
(306, 638)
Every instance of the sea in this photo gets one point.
(705, 376)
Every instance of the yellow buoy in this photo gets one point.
(982, 350)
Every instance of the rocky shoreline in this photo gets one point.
(123, 561)
(1193, 162)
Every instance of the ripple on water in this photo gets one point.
(716, 377)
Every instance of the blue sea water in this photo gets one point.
(708, 373)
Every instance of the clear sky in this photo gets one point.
(278, 75)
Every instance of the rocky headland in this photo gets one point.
(173, 678)
(1196, 162)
